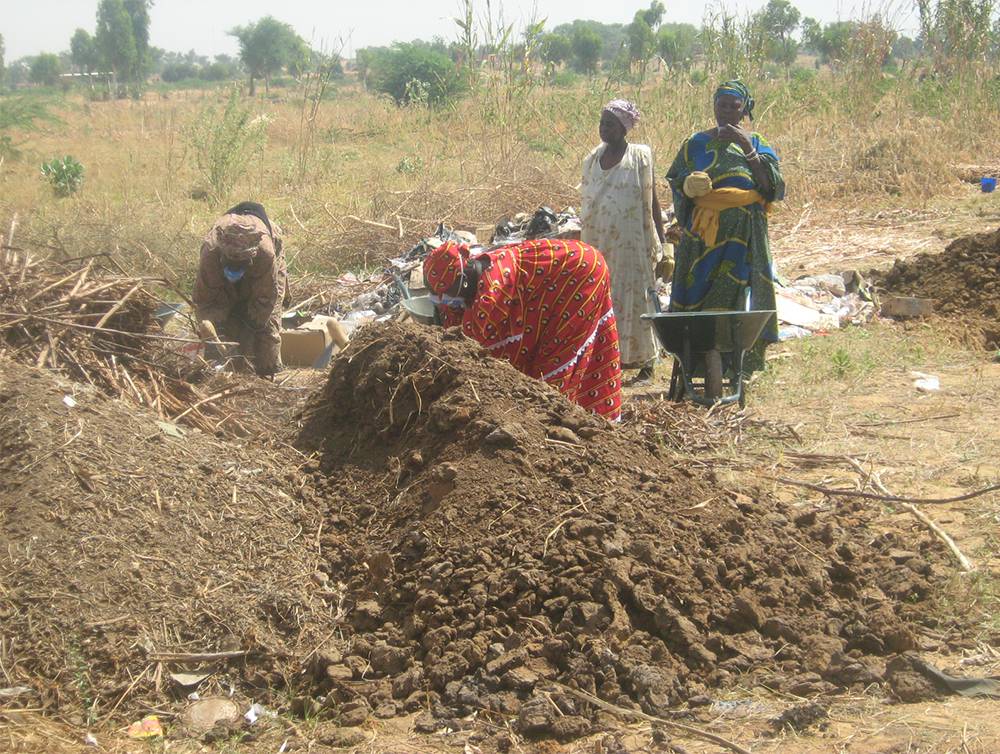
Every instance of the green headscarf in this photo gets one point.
(738, 89)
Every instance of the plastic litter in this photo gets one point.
(925, 383)
(148, 727)
(255, 712)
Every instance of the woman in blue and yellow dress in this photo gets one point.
(724, 181)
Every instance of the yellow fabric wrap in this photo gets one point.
(707, 208)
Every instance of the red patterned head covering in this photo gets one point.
(444, 265)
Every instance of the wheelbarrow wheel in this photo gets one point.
(713, 375)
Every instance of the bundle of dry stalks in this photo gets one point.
(99, 326)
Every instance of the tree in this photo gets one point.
(653, 15)
(45, 69)
(586, 49)
(676, 44)
(266, 47)
(812, 35)
(556, 48)
(115, 38)
(3, 68)
(905, 48)
(779, 19)
(641, 39)
(411, 73)
(138, 13)
(83, 51)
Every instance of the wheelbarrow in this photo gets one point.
(700, 343)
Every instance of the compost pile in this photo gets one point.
(88, 320)
(964, 281)
(127, 545)
(496, 540)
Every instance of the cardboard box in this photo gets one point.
(303, 346)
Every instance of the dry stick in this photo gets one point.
(108, 329)
(128, 691)
(370, 222)
(121, 302)
(614, 708)
(886, 498)
(196, 657)
(54, 285)
(211, 398)
(967, 565)
(907, 421)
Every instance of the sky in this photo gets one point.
(33, 26)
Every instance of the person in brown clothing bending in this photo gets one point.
(242, 284)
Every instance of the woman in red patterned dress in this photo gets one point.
(543, 305)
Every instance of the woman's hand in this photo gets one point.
(736, 135)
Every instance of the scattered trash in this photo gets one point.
(791, 332)
(69, 401)
(148, 727)
(284, 747)
(205, 713)
(925, 383)
(90, 740)
(820, 303)
(911, 662)
(187, 680)
(194, 696)
(988, 184)
(255, 712)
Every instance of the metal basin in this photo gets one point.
(421, 308)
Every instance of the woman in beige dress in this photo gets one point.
(621, 216)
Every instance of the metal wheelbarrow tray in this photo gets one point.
(687, 335)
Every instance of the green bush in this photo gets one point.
(564, 79)
(64, 174)
(802, 75)
(21, 114)
(413, 74)
(224, 144)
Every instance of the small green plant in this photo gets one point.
(409, 165)
(64, 174)
(842, 363)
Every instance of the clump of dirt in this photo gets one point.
(964, 281)
(497, 542)
(127, 543)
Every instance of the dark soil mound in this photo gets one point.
(122, 544)
(495, 540)
(964, 281)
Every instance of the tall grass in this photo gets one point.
(858, 134)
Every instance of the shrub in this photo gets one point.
(415, 74)
(21, 114)
(64, 174)
(225, 143)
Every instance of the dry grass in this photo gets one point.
(380, 177)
